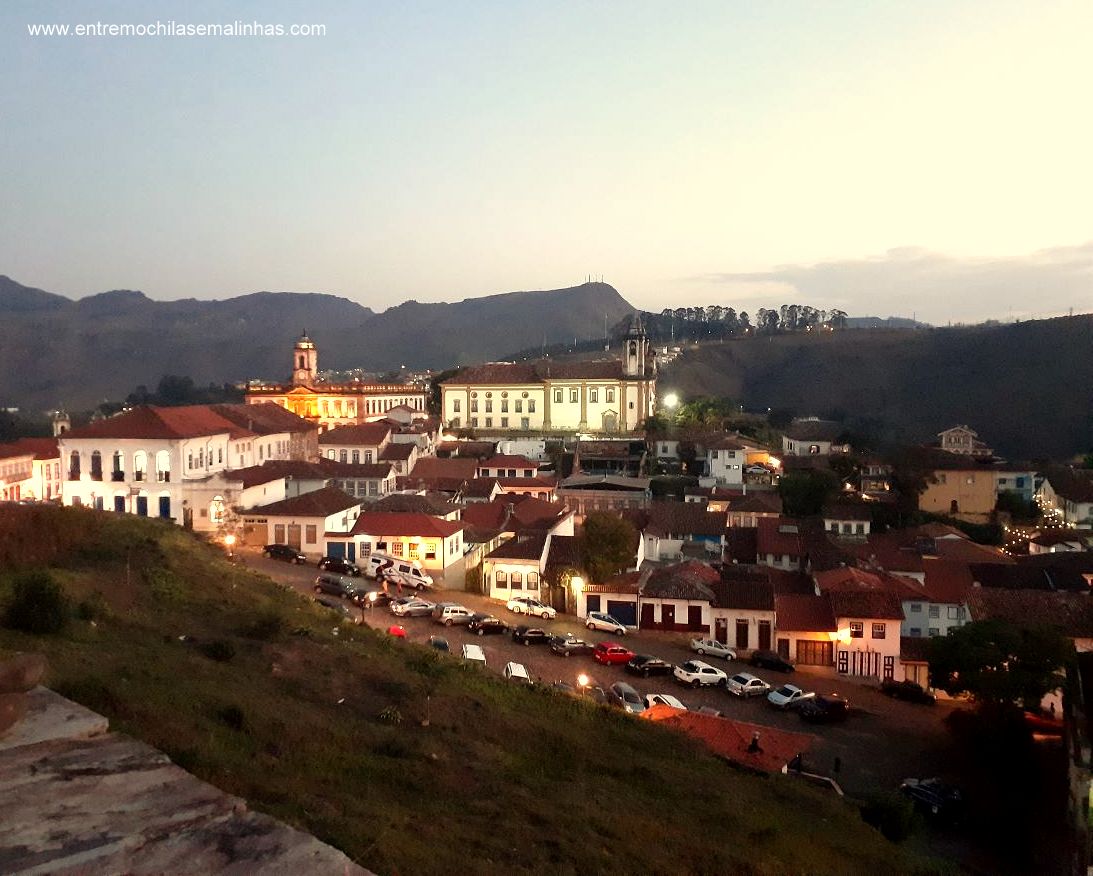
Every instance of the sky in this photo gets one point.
(910, 158)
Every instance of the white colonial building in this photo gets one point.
(605, 396)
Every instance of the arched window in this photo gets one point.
(517, 581)
(140, 464)
(356, 457)
(163, 466)
(502, 579)
(533, 580)
(96, 466)
(74, 466)
(118, 471)
(343, 456)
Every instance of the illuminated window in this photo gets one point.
(857, 630)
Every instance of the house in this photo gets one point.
(1069, 613)
(365, 480)
(960, 487)
(727, 458)
(670, 529)
(467, 449)
(1066, 495)
(327, 406)
(850, 520)
(356, 444)
(435, 543)
(30, 468)
(811, 436)
(867, 642)
(401, 457)
(587, 493)
(617, 597)
(875, 477)
(942, 604)
(507, 467)
(1053, 541)
(963, 440)
(743, 611)
(536, 487)
(807, 629)
(165, 460)
(677, 598)
(313, 523)
(611, 396)
(749, 509)
(780, 543)
(515, 567)
(447, 475)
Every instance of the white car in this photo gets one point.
(527, 605)
(712, 647)
(788, 696)
(747, 685)
(662, 699)
(516, 672)
(474, 654)
(598, 620)
(699, 674)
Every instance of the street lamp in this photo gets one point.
(582, 683)
(671, 400)
(229, 541)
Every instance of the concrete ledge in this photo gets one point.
(51, 716)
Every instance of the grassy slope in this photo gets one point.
(501, 778)
(1027, 388)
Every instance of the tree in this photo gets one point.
(38, 604)
(804, 493)
(609, 545)
(1000, 663)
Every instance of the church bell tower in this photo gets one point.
(305, 362)
(636, 349)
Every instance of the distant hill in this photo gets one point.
(55, 351)
(1026, 388)
(855, 322)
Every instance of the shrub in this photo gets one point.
(218, 650)
(38, 604)
(231, 716)
(391, 715)
(892, 814)
(267, 627)
(94, 607)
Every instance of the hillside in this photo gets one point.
(1026, 388)
(55, 352)
(404, 759)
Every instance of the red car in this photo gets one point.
(609, 653)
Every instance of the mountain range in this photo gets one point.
(58, 352)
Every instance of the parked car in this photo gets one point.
(569, 644)
(610, 654)
(712, 647)
(662, 699)
(334, 585)
(935, 798)
(485, 624)
(440, 643)
(533, 607)
(397, 631)
(372, 598)
(824, 709)
(745, 684)
(625, 697)
(565, 687)
(770, 660)
(474, 654)
(284, 552)
(604, 623)
(449, 614)
(340, 565)
(907, 690)
(516, 672)
(525, 635)
(646, 665)
(399, 601)
(789, 696)
(335, 605)
(699, 674)
(412, 607)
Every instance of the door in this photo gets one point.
(694, 619)
(889, 667)
(164, 506)
(647, 622)
(142, 506)
(783, 648)
(351, 551)
(668, 616)
(815, 653)
(119, 504)
(764, 635)
(294, 532)
(721, 630)
(335, 549)
(623, 612)
(592, 602)
(844, 661)
(742, 636)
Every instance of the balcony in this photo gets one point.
(73, 474)
(117, 476)
(96, 475)
(163, 477)
(138, 476)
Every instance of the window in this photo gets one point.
(533, 580)
(504, 422)
(330, 454)
(489, 422)
(430, 550)
(279, 533)
(934, 631)
(878, 631)
(713, 454)
(412, 551)
(814, 449)
(857, 630)
(455, 422)
(474, 422)
(502, 579)
(474, 406)
(396, 548)
(956, 612)
(519, 406)
(941, 477)
(594, 396)
(574, 396)
(935, 611)
(531, 406)
(916, 632)
(916, 608)
(455, 405)
(610, 396)
(558, 396)
(504, 406)
(311, 535)
(517, 581)
(489, 406)
(859, 528)
(367, 456)
(343, 456)
(631, 406)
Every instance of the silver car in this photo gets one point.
(598, 620)
(625, 697)
(413, 608)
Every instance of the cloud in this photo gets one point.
(936, 288)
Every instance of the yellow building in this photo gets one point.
(329, 405)
(967, 492)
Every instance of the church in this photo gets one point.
(610, 397)
(330, 405)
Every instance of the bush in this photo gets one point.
(267, 627)
(38, 604)
(92, 608)
(892, 814)
(218, 650)
(231, 716)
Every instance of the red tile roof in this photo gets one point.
(148, 421)
(804, 614)
(946, 580)
(470, 449)
(691, 580)
(398, 452)
(522, 547)
(405, 523)
(318, 503)
(456, 467)
(780, 536)
(849, 578)
(361, 435)
(365, 470)
(732, 739)
(265, 418)
(871, 604)
(765, 502)
(511, 374)
(518, 462)
(1071, 613)
(39, 448)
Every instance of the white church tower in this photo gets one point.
(636, 349)
(305, 362)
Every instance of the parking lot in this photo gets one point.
(882, 742)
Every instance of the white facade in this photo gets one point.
(922, 618)
(867, 647)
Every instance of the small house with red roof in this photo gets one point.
(30, 468)
(435, 543)
(309, 522)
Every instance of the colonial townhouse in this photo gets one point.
(1066, 496)
(671, 530)
(811, 436)
(611, 396)
(401, 457)
(728, 457)
(164, 461)
(435, 543)
(355, 445)
(30, 469)
(371, 481)
(311, 523)
(507, 467)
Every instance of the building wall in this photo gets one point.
(972, 491)
(523, 568)
(865, 656)
(922, 620)
(794, 447)
(435, 554)
(727, 466)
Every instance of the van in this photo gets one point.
(396, 569)
(474, 654)
(516, 672)
(338, 585)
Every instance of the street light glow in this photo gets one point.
(671, 400)
(582, 680)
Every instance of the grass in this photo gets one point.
(404, 759)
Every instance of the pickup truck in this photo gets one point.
(788, 696)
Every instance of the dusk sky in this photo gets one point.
(890, 158)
